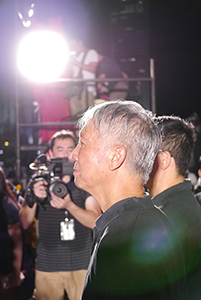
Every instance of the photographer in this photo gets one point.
(65, 225)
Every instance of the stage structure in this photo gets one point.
(38, 148)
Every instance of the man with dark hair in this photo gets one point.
(65, 225)
(61, 135)
(173, 193)
(135, 254)
(197, 187)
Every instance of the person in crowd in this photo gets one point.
(82, 64)
(173, 193)
(48, 97)
(195, 119)
(110, 90)
(133, 254)
(10, 284)
(192, 178)
(197, 187)
(65, 225)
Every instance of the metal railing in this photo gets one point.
(20, 147)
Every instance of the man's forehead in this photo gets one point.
(69, 142)
(88, 130)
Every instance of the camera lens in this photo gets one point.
(59, 189)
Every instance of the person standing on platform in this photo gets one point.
(82, 64)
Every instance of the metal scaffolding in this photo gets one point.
(39, 125)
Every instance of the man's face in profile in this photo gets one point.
(91, 160)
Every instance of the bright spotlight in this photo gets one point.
(42, 56)
(31, 13)
(26, 23)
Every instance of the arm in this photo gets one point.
(27, 213)
(86, 217)
(16, 234)
(91, 67)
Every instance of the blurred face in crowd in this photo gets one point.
(76, 46)
(63, 148)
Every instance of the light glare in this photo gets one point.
(42, 56)
(26, 23)
(31, 13)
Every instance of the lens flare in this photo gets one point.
(42, 56)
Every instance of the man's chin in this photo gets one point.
(77, 183)
(80, 185)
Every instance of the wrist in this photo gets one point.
(69, 205)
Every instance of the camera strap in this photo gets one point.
(66, 215)
(69, 187)
(67, 230)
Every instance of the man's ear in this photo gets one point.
(117, 157)
(164, 159)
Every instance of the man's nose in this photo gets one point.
(74, 154)
(66, 154)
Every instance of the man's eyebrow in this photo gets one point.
(82, 138)
(82, 135)
(62, 147)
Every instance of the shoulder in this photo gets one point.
(9, 203)
(11, 210)
(92, 203)
(92, 55)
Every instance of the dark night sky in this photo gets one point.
(175, 31)
(174, 34)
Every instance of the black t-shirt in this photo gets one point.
(111, 69)
(53, 254)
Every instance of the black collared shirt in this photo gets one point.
(184, 213)
(135, 255)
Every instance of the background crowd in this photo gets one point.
(47, 238)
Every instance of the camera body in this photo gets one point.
(52, 172)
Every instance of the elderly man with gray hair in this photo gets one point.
(135, 254)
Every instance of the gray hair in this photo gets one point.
(127, 123)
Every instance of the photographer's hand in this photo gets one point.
(85, 216)
(39, 189)
(66, 179)
(60, 203)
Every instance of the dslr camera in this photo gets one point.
(52, 172)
